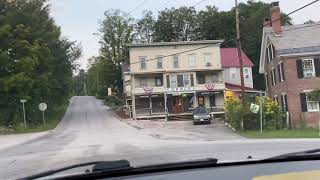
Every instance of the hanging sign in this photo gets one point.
(209, 86)
(148, 90)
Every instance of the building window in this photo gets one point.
(266, 80)
(207, 59)
(159, 81)
(246, 73)
(273, 77)
(284, 102)
(275, 98)
(308, 68)
(270, 52)
(143, 64)
(173, 80)
(233, 73)
(143, 82)
(180, 80)
(175, 61)
(159, 62)
(215, 77)
(281, 72)
(186, 80)
(201, 79)
(192, 60)
(312, 105)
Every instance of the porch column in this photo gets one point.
(133, 98)
(195, 102)
(150, 104)
(165, 106)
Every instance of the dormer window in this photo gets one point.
(270, 52)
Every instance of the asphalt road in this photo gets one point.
(90, 132)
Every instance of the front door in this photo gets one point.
(177, 104)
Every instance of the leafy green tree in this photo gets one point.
(36, 63)
(145, 28)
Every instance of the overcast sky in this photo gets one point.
(79, 18)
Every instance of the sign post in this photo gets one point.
(261, 112)
(42, 108)
(24, 112)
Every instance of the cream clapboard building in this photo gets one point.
(169, 78)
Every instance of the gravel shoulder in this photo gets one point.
(184, 130)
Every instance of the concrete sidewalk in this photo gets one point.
(7, 141)
(184, 130)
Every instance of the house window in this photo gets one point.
(159, 62)
(246, 73)
(284, 102)
(233, 73)
(273, 77)
(201, 79)
(159, 81)
(192, 60)
(207, 59)
(173, 81)
(270, 52)
(266, 81)
(186, 80)
(143, 64)
(175, 60)
(275, 98)
(215, 77)
(180, 80)
(308, 68)
(312, 105)
(281, 72)
(143, 82)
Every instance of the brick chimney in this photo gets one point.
(275, 18)
(267, 22)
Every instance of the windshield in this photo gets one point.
(84, 81)
(201, 111)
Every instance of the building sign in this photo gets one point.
(180, 89)
(209, 86)
(148, 90)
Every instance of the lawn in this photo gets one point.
(295, 133)
(52, 120)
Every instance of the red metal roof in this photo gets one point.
(229, 58)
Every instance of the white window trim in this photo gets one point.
(247, 73)
(145, 62)
(312, 110)
(284, 105)
(195, 60)
(280, 69)
(266, 80)
(158, 58)
(233, 71)
(173, 62)
(313, 68)
(273, 76)
(210, 59)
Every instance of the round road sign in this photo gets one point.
(43, 106)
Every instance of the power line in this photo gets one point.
(243, 35)
(135, 8)
(198, 3)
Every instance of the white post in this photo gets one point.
(24, 116)
(165, 106)
(261, 112)
(43, 119)
(133, 100)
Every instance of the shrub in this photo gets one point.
(113, 101)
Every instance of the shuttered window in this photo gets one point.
(281, 72)
(266, 81)
(299, 68)
(273, 77)
(317, 66)
(303, 102)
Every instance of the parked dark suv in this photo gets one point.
(201, 115)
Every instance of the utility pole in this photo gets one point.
(240, 58)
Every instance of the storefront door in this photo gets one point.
(177, 104)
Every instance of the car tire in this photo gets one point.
(209, 122)
(194, 123)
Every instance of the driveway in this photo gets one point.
(185, 130)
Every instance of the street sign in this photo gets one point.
(23, 100)
(43, 106)
(254, 108)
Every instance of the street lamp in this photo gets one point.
(24, 112)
